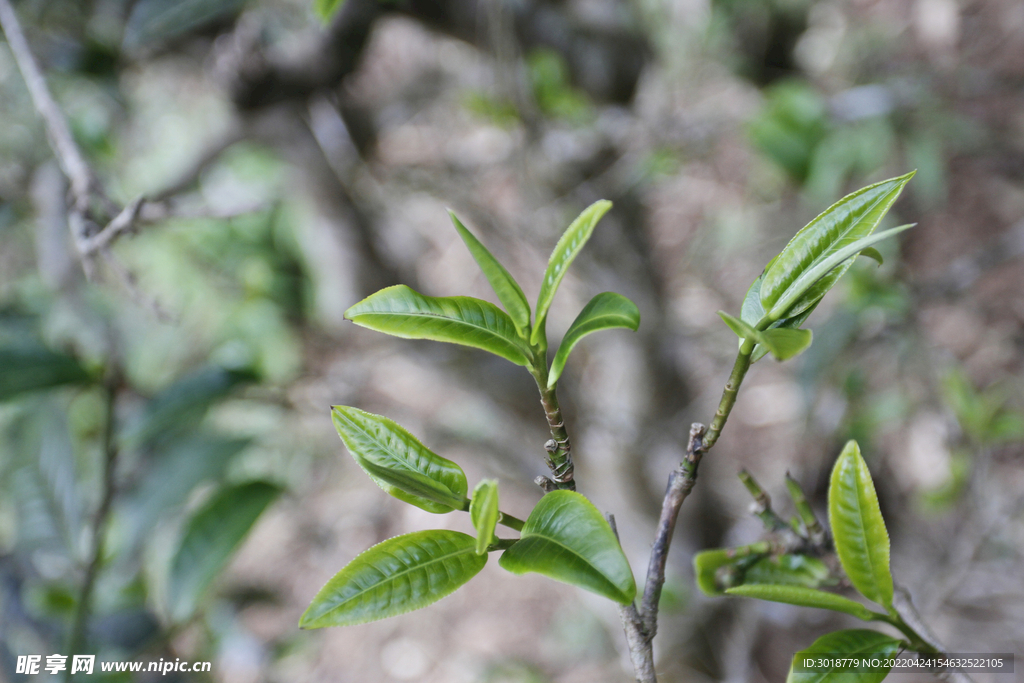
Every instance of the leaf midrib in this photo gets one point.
(864, 533)
(454, 321)
(575, 554)
(392, 577)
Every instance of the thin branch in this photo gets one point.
(638, 641)
(908, 613)
(762, 503)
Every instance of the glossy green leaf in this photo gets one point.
(788, 570)
(851, 643)
(846, 222)
(812, 284)
(504, 285)
(605, 311)
(565, 538)
(394, 577)
(399, 463)
(569, 245)
(403, 312)
(804, 597)
(25, 369)
(210, 539)
(752, 312)
(861, 539)
(483, 510)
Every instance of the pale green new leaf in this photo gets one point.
(483, 510)
(394, 577)
(783, 343)
(852, 643)
(873, 254)
(605, 311)
(569, 245)
(861, 539)
(566, 539)
(403, 312)
(846, 222)
(399, 463)
(805, 597)
(504, 285)
(788, 570)
(210, 539)
(706, 565)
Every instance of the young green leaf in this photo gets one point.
(711, 579)
(605, 311)
(565, 538)
(831, 648)
(861, 540)
(504, 285)
(210, 538)
(399, 463)
(805, 597)
(483, 510)
(569, 245)
(873, 254)
(394, 577)
(788, 570)
(403, 312)
(33, 368)
(783, 343)
(845, 223)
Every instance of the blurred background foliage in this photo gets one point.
(165, 446)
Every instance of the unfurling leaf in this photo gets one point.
(814, 259)
(399, 463)
(717, 570)
(783, 343)
(211, 537)
(569, 245)
(403, 312)
(510, 294)
(566, 539)
(605, 311)
(833, 648)
(805, 597)
(483, 510)
(861, 539)
(394, 577)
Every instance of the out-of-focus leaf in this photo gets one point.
(569, 245)
(706, 565)
(177, 471)
(403, 312)
(804, 597)
(851, 643)
(792, 283)
(179, 407)
(483, 510)
(33, 368)
(210, 539)
(788, 570)
(565, 538)
(326, 9)
(394, 577)
(861, 539)
(604, 312)
(510, 294)
(153, 23)
(399, 463)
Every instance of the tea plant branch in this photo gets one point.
(725, 405)
(908, 615)
(559, 446)
(83, 608)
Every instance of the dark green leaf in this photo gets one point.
(179, 407)
(483, 510)
(788, 570)
(805, 597)
(394, 577)
(605, 311)
(852, 643)
(845, 223)
(569, 245)
(402, 312)
(566, 539)
(399, 463)
(862, 542)
(33, 368)
(152, 23)
(210, 539)
(504, 285)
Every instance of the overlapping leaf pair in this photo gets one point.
(794, 282)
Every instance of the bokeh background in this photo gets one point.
(310, 162)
